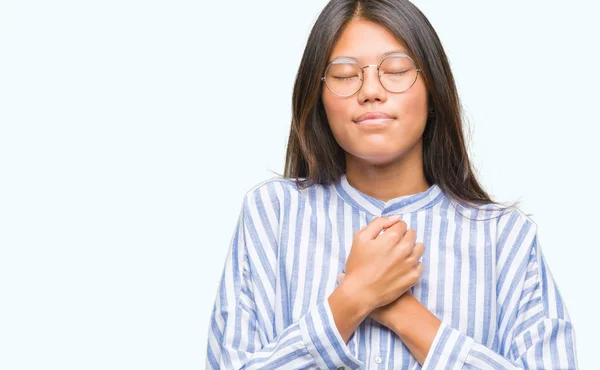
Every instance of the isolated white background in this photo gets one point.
(128, 139)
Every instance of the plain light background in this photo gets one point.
(129, 135)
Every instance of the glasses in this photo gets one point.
(344, 76)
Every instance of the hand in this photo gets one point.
(383, 267)
(388, 314)
(391, 312)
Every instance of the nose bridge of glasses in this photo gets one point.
(369, 65)
(376, 70)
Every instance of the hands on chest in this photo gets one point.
(382, 266)
(383, 263)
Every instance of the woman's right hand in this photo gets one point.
(382, 266)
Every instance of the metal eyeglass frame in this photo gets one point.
(362, 70)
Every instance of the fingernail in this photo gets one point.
(394, 217)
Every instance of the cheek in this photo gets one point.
(338, 118)
(412, 107)
(336, 108)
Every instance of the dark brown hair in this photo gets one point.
(314, 156)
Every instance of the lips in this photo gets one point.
(373, 115)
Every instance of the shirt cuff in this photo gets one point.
(450, 348)
(323, 340)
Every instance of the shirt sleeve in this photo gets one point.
(535, 330)
(242, 332)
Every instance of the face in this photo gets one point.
(375, 141)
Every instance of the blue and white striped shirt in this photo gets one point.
(484, 277)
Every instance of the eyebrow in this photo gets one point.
(358, 59)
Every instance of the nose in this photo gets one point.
(371, 89)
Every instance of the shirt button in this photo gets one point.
(341, 368)
(377, 360)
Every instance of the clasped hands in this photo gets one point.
(383, 265)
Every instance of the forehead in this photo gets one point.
(366, 42)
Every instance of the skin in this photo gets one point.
(384, 163)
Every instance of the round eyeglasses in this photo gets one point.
(397, 72)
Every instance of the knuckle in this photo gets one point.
(403, 251)
(360, 237)
(380, 219)
(393, 233)
(400, 252)
(418, 248)
(411, 234)
(420, 267)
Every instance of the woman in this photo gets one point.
(378, 248)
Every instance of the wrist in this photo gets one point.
(347, 309)
(407, 310)
(356, 297)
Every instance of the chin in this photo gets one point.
(377, 157)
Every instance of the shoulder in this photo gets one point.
(273, 183)
(516, 240)
(505, 219)
(517, 224)
(514, 231)
(275, 194)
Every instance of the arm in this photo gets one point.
(242, 329)
(416, 326)
(538, 335)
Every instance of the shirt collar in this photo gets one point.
(400, 205)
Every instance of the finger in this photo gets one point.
(399, 229)
(409, 238)
(418, 250)
(420, 267)
(405, 246)
(378, 224)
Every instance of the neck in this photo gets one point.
(403, 176)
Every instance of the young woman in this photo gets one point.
(378, 248)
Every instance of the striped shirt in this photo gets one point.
(484, 277)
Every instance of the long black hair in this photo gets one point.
(314, 156)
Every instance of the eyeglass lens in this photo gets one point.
(344, 76)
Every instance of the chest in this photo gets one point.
(458, 283)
